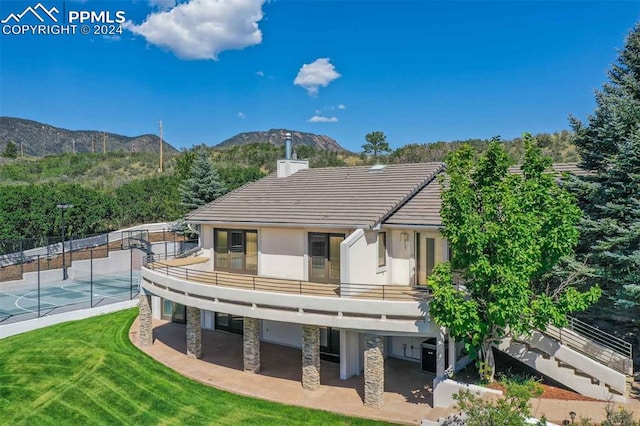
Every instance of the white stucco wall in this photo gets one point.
(282, 333)
(360, 264)
(282, 253)
(206, 236)
(413, 347)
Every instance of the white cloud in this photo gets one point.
(311, 76)
(162, 4)
(260, 73)
(321, 119)
(111, 38)
(342, 106)
(241, 115)
(201, 29)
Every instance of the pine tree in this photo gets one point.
(11, 150)
(609, 146)
(203, 185)
(376, 144)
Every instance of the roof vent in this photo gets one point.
(377, 168)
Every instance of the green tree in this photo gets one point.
(234, 176)
(609, 148)
(203, 185)
(376, 144)
(506, 230)
(11, 150)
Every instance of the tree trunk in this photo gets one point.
(488, 361)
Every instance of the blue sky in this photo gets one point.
(420, 71)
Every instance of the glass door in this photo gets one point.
(425, 258)
(172, 311)
(330, 344)
(324, 257)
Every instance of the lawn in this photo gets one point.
(88, 372)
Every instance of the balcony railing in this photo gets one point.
(178, 268)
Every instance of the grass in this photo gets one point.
(88, 372)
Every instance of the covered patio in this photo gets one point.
(407, 396)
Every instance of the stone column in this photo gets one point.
(194, 332)
(373, 371)
(145, 320)
(310, 357)
(251, 345)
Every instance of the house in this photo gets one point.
(333, 261)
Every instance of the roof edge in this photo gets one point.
(411, 194)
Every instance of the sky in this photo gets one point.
(420, 71)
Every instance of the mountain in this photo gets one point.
(39, 139)
(276, 137)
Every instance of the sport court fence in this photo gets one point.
(101, 269)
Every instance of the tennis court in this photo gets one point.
(17, 304)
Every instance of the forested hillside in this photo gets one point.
(38, 139)
(119, 189)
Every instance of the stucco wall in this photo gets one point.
(282, 333)
(360, 264)
(206, 236)
(282, 253)
(412, 350)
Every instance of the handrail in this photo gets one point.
(596, 344)
(306, 288)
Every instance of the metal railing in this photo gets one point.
(596, 344)
(305, 288)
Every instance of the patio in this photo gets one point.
(408, 396)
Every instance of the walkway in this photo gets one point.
(407, 396)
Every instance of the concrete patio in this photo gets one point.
(407, 396)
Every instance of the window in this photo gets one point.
(324, 257)
(382, 249)
(236, 250)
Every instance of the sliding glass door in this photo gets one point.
(324, 257)
(236, 250)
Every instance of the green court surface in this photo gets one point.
(52, 296)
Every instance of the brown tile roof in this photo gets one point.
(327, 197)
(424, 208)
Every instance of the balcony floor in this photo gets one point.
(408, 396)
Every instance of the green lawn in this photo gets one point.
(88, 372)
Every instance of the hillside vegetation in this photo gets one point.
(118, 189)
(38, 139)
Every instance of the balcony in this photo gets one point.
(179, 268)
(398, 308)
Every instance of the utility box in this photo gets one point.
(429, 356)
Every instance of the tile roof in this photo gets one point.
(326, 197)
(423, 209)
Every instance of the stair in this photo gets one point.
(578, 371)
